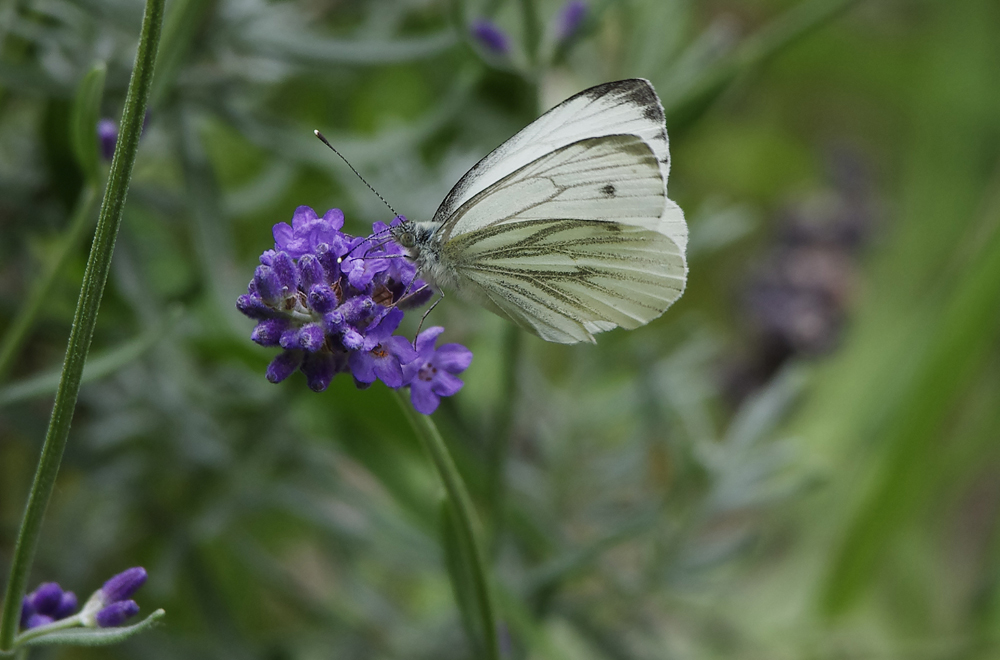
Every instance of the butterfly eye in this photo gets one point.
(406, 239)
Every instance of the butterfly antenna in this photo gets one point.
(332, 148)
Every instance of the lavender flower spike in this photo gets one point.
(490, 36)
(332, 302)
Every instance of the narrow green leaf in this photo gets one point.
(94, 636)
(86, 112)
(97, 367)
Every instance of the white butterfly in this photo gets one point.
(565, 229)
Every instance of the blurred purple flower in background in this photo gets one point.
(570, 18)
(332, 302)
(107, 136)
(490, 36)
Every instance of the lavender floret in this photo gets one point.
(116, 613)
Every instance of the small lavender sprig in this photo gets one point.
(108, 607)
(332, 302)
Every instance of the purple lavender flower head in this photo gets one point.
(46, 604)
(490, 36)
(333, 302)
(570, 18)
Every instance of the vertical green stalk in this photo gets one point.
(465, 516)
(84, 320)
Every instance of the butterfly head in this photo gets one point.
(405, 234)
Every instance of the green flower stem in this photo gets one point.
(465, 516)
(84, 320)
(25, 319)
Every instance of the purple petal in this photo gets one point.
(389, 371)
(424, 400)
(283, 235)
(445, 384)
(362, 365)
(334, 218)
(401, 348)
(453, 358)
(426, 339)
(303, 217)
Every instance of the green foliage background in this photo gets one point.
(846, 508)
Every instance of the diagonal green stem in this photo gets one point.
(18, 330)
(84, 320)
(465, 516)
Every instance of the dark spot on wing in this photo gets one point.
(613, 227)
(608, 190)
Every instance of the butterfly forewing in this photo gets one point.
(623, 107)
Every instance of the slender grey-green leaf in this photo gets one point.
(95, 636)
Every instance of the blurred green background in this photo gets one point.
(800, 460)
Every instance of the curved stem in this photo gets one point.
(84, 320)
(465, 516)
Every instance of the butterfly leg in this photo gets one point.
(421, 324)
